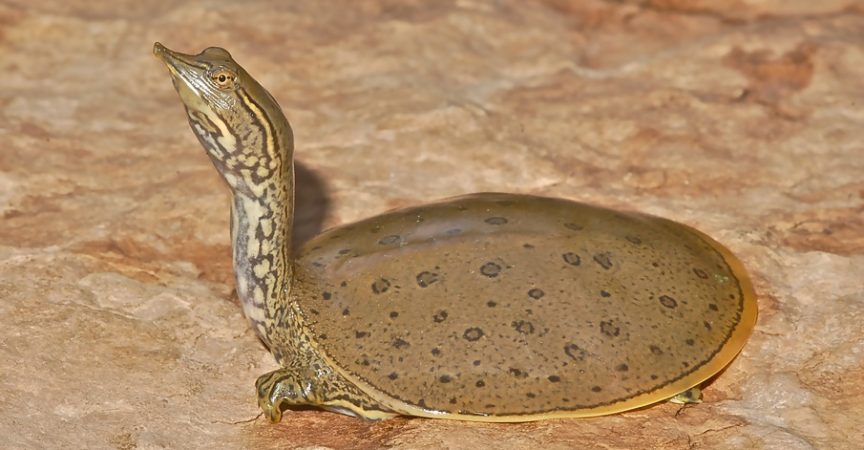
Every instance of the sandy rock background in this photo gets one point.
(119, 327)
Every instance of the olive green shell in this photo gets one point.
(523, 307)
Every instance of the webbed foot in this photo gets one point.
(278, 387)
(692, 395)
(302, 387)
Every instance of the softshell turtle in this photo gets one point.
(491, 307)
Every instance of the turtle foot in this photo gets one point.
(281, 387)
(692, 395)
(297, 387)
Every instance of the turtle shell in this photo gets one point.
(512, 307)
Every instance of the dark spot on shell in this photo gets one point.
(575, 352)
(622, 367)
(668, 301)
(389, 240)
(326, 296)
(424, 279)
(491, 304)
(554, 378)
(490, 269)
(343, 284)
(445, 379)
(655, 350)
(452, 400)
(654, 377)
(440, 316)
(700, 273)
(605, 294)
(518, 373)
(608, 328)
(400, 343)
(574, 226)
(536, 294)
(453, 232)
(604, 259)
(496, 220)
(707, 325)
(713, 307)
(346, 312)
(530, 395)
(344, 251)
(380, 286)
(436, 351)
(480, 383)
(572, 258)
(361, 334)
(422, 403)
(523, 326)
(689, 341)
(393, 375)
(634, 240)
(394, 314)
(314, 311)
(528, 246)
(472, 334)
(476, 362)
(596, 389)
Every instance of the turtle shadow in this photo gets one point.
(311, 205)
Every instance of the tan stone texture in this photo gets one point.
(119, 327)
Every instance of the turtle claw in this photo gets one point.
(271, 412)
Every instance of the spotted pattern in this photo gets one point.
(574, 352)
(390, 240)
(473, 334)
(496, 220)
(604, 259)
(448, 319)
(608, 328)
(572, 258)
(424, 279)
(523, 326)
(668, 302)
(490, 269)
(380, 286)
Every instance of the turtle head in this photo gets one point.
(238, 122)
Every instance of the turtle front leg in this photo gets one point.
(302, 386)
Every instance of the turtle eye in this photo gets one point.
(224, 79)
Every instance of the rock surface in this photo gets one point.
(119, 324)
